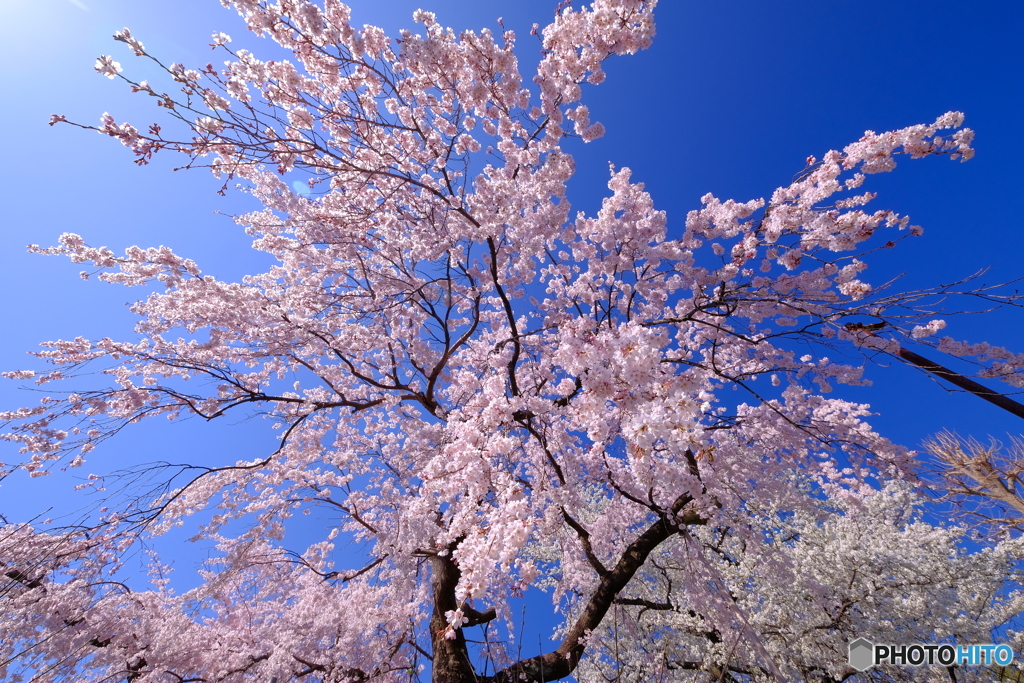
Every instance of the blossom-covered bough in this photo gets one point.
(494, 393)
(804, 594)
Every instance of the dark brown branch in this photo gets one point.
(136, 670)
(956, 379)
(509, 314)
(588, 549)
(563, 661)
(565, 400)
(648, 604)
(24, 579)
(475, 618)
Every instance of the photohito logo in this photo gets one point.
(864, 654)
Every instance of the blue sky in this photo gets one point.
(731, 99)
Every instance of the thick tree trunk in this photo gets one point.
(451, 660)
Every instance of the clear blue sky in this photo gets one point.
(731, 99)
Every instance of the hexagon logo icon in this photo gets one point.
(862, 653)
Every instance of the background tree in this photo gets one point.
(982, 481)
(822, 581)
(470, 368)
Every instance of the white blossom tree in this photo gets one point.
(490, 390)
(867, 567)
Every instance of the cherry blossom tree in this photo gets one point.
(821, 581)
(494, 393)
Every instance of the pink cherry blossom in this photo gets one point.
(106, 66)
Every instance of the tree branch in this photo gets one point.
(956, 379)
(563, 661)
